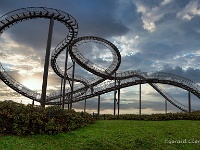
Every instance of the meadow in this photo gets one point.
(114, 135)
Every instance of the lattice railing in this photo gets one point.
(175, 78)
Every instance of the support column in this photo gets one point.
(140, 99)
(98, 111)
(115, 92)
(85, 106)
(118, 97)
(72, 87)
(46, 64)
(65, 77)
(61, 86)
(165, 106)
(33, 102)
(189, 103)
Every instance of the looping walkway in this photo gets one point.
(96, 86)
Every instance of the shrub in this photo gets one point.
(20, 119)
(155, 117)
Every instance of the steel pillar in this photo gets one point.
(72, 87)
(61, 86)
(46, 64)
(65, 77)
(33, 102)
(115, 92)
(118, 97)
(189, 103)
(85, 106)
(165, 106)
(140, 99)
(98, 105)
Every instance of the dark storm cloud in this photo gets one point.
(97, 18)
(33, 33)
(164, 44)
(190, 73)
(138, 61)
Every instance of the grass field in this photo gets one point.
(115, 135)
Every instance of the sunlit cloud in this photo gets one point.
(16, 58)
(33, 84)
(127, 45)
(165, 2)
(150, 15)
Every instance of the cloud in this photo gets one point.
(126, 45)
(150, 14)
(165, 2)
(190, 73)
(190, 11)
(148, 107)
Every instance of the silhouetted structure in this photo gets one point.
(108, 79)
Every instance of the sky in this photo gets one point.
(151, 35)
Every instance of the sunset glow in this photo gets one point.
(33, 84)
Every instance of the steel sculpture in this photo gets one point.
(107, 79)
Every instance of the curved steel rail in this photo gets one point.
(109, 85)
(90, 66)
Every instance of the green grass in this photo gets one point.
(114, 135)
